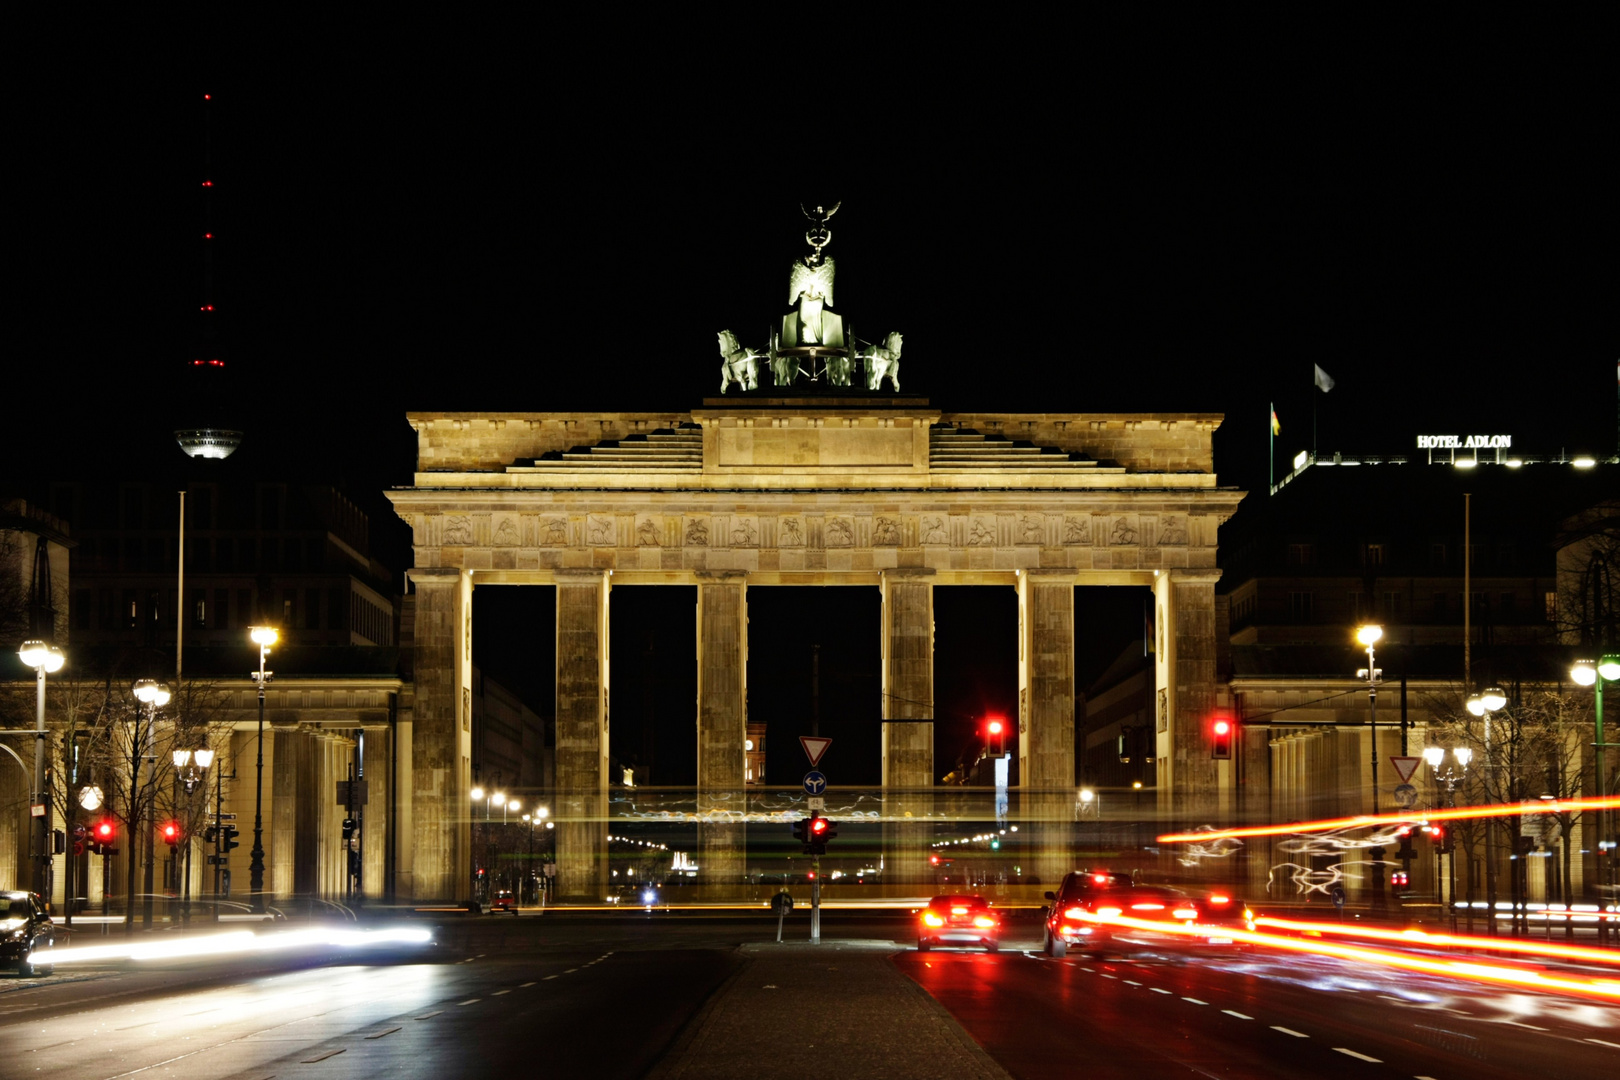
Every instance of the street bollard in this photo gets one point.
(781, 903)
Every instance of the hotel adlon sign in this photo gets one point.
(1464, 442)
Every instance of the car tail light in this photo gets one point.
(1074, 913)
(1219, 899)
(984, 921)
(1185, 913)
(1147, 907)
(932, 920)
(958, 911)
(1100, 879)
(1110, 912)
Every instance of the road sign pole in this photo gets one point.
(815, 901)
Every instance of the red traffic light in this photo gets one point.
(170, 832)
(1223, 727)
(1400, 879)
(818, 826)
(995, 725)
(1220, 733)
(934, 860)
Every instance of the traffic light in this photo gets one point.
(348, 828)
(1400, 879)
(801, 832)
(995, 843)
(820, 831)
(170, 831)
(1220, 730)
(995, 728)
(209, 833)
(1442, 839)
(81, 840)
(230, 838)
(103, 836)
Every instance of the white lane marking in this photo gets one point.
(1600, 1042)
(1290, 1031)
(570, 971)
(380, 1034)
(548, 978)
(1104, 974)
(428, 1016)
(523, 985)
(498, 993)
(469, 1001)
(1422, 1078)
(1195, 1001)
(1132, 982)
(323, 1057)
(1156, 990)
(1363, 1057)
(1234, 1012)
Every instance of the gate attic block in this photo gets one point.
(752, 492)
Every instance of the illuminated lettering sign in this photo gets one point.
(1464, 442)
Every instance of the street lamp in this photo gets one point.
(1461, 756)
(1369, 636)
(190, 765)
(263, 637)
(43, 659)
(154, 695)
(1482, 705)
(1588, 673)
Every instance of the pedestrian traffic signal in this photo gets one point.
(81, 840)
(230, 838)
(801, 832)
(1220, 730)
(170, 831)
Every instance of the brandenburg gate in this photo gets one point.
(823, 479)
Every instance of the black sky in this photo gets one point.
(1089, 214)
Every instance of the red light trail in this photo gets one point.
(1425, 939)
(1551, 806)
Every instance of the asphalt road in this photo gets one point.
(616, 995)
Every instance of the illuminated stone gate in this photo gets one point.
(880, 492)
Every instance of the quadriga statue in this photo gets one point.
(883, 361)
(738, 363)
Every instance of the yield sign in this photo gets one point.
(1406, 766)
(814, 747)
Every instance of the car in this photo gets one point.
(1084, 917)
(965, 920)
(1078, 885)
(504, 901)
(26, 929)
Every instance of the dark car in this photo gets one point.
(25, 929)
(962, 920)
(1097, 912)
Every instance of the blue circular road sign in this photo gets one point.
(814, 782)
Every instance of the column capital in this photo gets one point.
(434, 575)
(576, 575)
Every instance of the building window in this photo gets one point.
(1300, 606)
(153, 605)
(199, 604)
(222, 609)
(134, 508)
(1392, 605)
(1437, 556)
(244, 605)
(1549, 605)
(132, 555)
(1357, 603)
(1373, 554)
(249, 556)
(132, 609)
(1301, 554)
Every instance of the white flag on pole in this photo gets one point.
(1323, 379)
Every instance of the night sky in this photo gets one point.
(1086, 217)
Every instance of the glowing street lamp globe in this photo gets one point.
(1584, 672)
(1493, 698)
(1434, 755)
(1369, 635)
(1609, 666)
(151, 692)
(37, 654)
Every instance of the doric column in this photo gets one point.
(722, 662)
(908, 748)
(1184, 684)
(441, 752)
(582, 734)
(377, 759)
(1046, 719)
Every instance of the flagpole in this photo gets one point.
(1271, 450)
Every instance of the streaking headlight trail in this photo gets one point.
(235, 942)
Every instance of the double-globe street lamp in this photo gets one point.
(263, 637)
(497, 798)
(1369, 636)
(1595, 674)
(190, 765)
(44, 659)
(1435, 756)
(1483, 704)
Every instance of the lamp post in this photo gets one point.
(42, 658)
(154, 695)
(1369, 636)
(190, 765)
(264, 637)
(1435, 756)
(1587, 673)
(1482, 705)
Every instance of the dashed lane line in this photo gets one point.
(522, 986)
(1234, 1012)
(1290, 1031)
(380, 1034)
(1195, 1001)
(498, 993)
(1156, 990)
(428, 1016)
(1132, 982)
(469, 1001)
(1362, 1057)
(548, 978)
(1602, 1042)
(323, 1057)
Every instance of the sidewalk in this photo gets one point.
(839, 1008)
